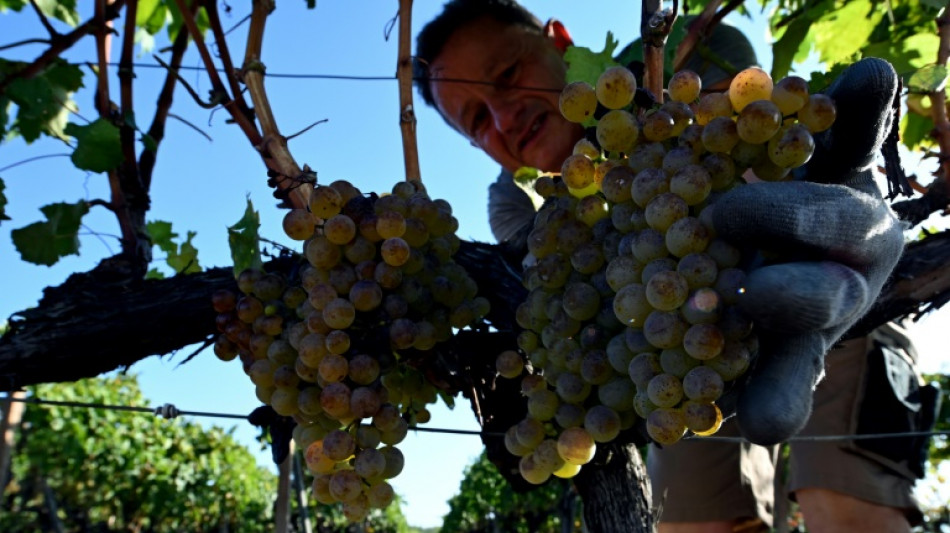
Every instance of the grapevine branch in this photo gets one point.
(219, 90)
(273, 146)
(43, 20)
(62, 43)
(211, 7)
(165, 97)
(407, 114)
(938, 98)
(655, 26)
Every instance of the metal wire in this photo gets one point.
(170, 411)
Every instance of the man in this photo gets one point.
(494, 72)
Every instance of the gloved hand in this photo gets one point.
(832, 242)
(280, 428)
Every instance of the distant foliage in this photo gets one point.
(486, 503)
(111, 470)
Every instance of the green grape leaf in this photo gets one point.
(3, 202)
(162, 235)
(98, 147)
(144, 11)
(15, 5)
(154, 273)
(43, 101)
(840, 34)
(928, 79)
(44, 243)
(915, 130)
(786, 49)
(447, 399)
(177, 23)
(184, 259)
(64, 10)
(526, 175)
(245, 242)
(5, 104)
(586, 65)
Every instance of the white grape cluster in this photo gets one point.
(631, 307)
(337, 348)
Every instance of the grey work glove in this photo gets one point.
(831, 241)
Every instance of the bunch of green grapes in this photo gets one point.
(333, 347)
(631, 310)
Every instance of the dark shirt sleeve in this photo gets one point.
(510, 211)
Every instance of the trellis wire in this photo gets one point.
(169, 411)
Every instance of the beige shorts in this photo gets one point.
(699, 481)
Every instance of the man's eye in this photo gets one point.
(508, 75)
(478, 121)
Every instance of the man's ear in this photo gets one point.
(558, 34)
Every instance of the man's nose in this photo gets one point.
(508, 112)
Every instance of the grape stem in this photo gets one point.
(407, 115)
(655, 26)
(273, 146)
(939, 99)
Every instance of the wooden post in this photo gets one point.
(282, 506)
(12, 414)
(407, 114)
(301, 491)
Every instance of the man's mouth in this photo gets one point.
(531, 132)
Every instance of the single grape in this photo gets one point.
(664, 329)
(818, 114)
(665, 390)
(720, 134)
(686, 236)
(530, 433)
(703, 384)
(617, 131)
(732, 362)
(582, 146)
(703, 306)
(345, 485)
(703, 341)
(748, 86)
(509, 364)
(790, 94)
(702, 418)
(667, 290)
(665, 209)
(577, 101)
(576, 446)
(758, 121)
(657, 126)
(531, 471)
(339, 229)
(577, 171)
(698, 269)
(631, 305)
(616, 87)
(684, 86)
(325, 202)
(692, 183)
(602, 423)
(710, 106)
(792, 146)
(666, 425)
(299, 224)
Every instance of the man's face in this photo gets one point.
(514, 117)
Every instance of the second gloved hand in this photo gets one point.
(831, 241)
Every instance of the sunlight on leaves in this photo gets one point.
(44, 243)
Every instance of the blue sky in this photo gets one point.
(201, 185)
